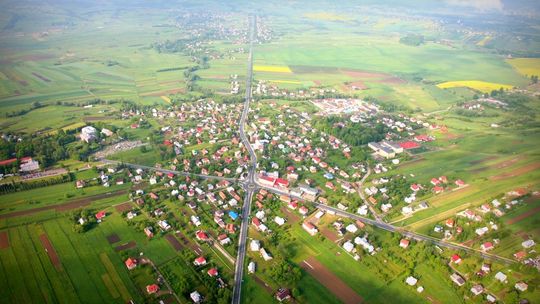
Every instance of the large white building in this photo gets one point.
(88, 134)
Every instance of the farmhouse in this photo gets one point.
(404, 243)
(477, 289)
(310, 228)
(131, 263)
(213, 272)
(199, 261)
(456, 278)
(283, 294)
(195, 297)
(456, 259)
(151, 289)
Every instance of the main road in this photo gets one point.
(249, 183)
(388, 227)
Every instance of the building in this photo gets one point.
(266, 256)
(310, 228)
(200, 261)
(501, 277)
(404, 243)
(151, 289)
(521, 286)
(195, 297)
(456, 259)
(28, 165)
(255, 245)
(456, 278)
(477, 289)
(88, 134)
(131, 263)
(251, 267)
(213, 272)
(411, 281)
(283, 294)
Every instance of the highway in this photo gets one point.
(250, 185)
(394, 229)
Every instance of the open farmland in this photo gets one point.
(261, 152)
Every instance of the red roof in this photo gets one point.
(487, 245)
(255, 221)
(456, 258)
(460, 182)
(282, 182)
(201, 235)
(131, 263)
(200, 260)
(212, 272)
(409, 145)
(7, 161)
(100, 215)
(438, 189)
(167, 142)
(152, 288)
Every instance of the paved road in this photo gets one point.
(360, 191)
(182, 173)
(391, 228)
(249, 183)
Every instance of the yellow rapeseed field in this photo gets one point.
(526, 66)
(478, 85)
(167, 99)
(272, 68)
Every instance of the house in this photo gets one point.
(450, 223)
(486, 268)
(527, 244)
(279, 220)
(213, 272)
(153, 196)
(434, 181)
(293, 205)
(404, 243)
(411, 281)
(459, 183)
(283, 294)
(521, 286)
(501, 277)
(131, 263)
(477, 289)
(151, 289)
(438, 189)
(415, 187)
(456, 259)
(80, 184)
(164, 225)
(223, 239)
(351, 228)
(195, 297)
(456, 278)
(199, 261)
(260, 226)
(148, 232)
(251, 267)
(130, 215)
(266, 256)
(201, 236)
(310, 228)
(520, 255)
(100, 215)
(255, 245)
(348, 246)
(303, 210)
(486, 246)
(491, 298)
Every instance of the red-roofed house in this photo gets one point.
(131, 263)
(407, 145)
(303, 210)
(100, 215)
(213, 272)
(487, 246)
(450, 223)
(460, 183)
(520, 255)
(435, 181)
(404, 243)
(438, 189)
(293, 205)
(199, 261)
(443, 179)
(201, 235)
(415, 187)
(152, 288)
(456, 259)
